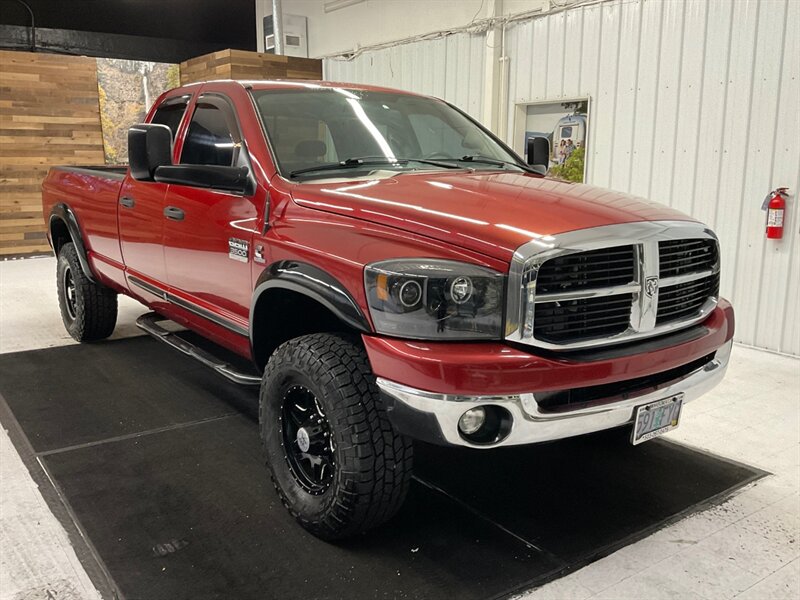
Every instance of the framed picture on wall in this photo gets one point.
(127, 89)
(565, 123)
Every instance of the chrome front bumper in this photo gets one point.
(434, 417)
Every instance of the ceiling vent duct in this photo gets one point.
(295, 35)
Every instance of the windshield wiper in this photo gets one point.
(362, 161)
(477, 158)
(349, 163)
(435, 163)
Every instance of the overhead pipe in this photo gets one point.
(277, 25)
(33, 24)
(505, 82)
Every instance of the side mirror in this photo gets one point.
(537, 154)
(149, 147)
(229, 179)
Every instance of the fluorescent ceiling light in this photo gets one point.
(332, 5)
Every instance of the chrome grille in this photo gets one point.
(597, 268)
(611, 284)
(679, 257)
(570, 320)
(685, 299)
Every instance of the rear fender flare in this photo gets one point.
(62, 212)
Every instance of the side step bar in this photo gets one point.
(149, 323)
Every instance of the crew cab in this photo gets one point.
(393, 271)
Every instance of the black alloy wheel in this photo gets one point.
(337, 463)
(88, 308)
(307, 441)
(69, 293)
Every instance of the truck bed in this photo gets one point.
(105, 171)
(91, 193)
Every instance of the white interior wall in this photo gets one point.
(451, 68)
(693, 104)
(371, 22)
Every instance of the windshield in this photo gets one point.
(366, 130)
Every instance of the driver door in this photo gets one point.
(208, 233)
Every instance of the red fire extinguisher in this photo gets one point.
(775, 205)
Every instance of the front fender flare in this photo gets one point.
(315, 283)
(64, 213)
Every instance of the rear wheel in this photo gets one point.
(335, 461)
(88, 309)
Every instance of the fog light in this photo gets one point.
(472, 420)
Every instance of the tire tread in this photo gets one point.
(373, 482)
(96, 310)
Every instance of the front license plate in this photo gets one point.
(656, 418)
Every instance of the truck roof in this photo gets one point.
(299, 84)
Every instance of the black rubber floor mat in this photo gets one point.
(80, 394)
(580, 497)
(158, 460)
(189, 513)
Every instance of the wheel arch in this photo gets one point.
(63, 228)
(306, 299)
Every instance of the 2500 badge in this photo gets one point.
(238, 249)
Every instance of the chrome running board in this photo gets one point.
(149, 323)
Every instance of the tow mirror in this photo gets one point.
(229, 179)
(537, 154)
(149, 147)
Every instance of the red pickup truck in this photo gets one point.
(395, 272)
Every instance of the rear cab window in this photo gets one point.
(213, 137)
(170, 113)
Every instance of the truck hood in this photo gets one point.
(491, 213)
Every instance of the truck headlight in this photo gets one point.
(435, 299)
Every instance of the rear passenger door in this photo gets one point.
(208, 233)
(141, 216)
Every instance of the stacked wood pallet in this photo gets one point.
(239, 64)
(49, 115)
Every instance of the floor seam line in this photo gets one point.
(504, 529)
(118, 595)
(96, 570)
(130, 436)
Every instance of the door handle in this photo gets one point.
(127, 202)
(174, 213)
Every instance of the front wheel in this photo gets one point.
(335, 460)
(88, 309)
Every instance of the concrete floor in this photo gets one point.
(748, 547)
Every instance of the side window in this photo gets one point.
(210, 139)
(170, 114)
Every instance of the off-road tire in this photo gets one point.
(373, 462)
(90, 312)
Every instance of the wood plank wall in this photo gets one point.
(240, 64)
(49, 115)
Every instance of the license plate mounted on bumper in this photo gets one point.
(656, 418)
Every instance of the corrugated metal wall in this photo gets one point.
(449, 68)
(694, 103)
